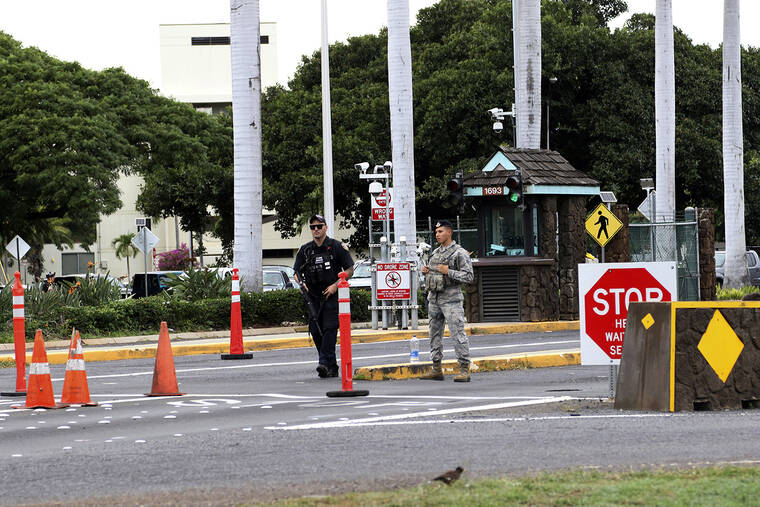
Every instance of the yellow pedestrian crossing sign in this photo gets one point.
(602, 225)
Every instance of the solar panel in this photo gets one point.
(608, 197)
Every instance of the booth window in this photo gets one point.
(504, 231)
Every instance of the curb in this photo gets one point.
(542, 359)
(182, 348)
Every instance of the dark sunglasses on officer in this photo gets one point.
(316, 226)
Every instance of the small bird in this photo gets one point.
(450, 476)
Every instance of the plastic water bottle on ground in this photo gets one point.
(414, 349)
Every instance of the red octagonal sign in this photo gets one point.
(606, 305)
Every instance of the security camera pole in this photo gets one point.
(499, 115)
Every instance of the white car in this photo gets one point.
(362, 278)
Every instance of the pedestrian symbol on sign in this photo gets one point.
(602, 225)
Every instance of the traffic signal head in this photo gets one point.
(514, 184)
(456, 191)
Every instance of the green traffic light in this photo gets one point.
(514, 197)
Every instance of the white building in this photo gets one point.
(195, 68)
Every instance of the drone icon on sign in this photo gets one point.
(393, 279)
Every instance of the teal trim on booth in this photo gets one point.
(499, 159)
(560, 190)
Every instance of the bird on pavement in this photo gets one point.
(450, 476)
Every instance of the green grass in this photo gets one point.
(735, 294)
(703, 486)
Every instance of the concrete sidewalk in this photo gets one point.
(218, 342)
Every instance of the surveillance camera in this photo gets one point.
(375, 188)
(494, 111)
(363, 166)
(498, 126)
(388, 165)
(379, 169)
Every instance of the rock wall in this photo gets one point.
(707, 288)
(619, 248)
(539, 299)
(572, 241)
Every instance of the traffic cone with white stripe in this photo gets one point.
(19, 338)
(75, 388)
(39, 391)
(344, 319)
(236, 323)
(164, 374)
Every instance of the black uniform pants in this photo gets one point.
(328, 322)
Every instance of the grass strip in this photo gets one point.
(723, 485)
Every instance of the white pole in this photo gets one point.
(516, 63)
(327, 161)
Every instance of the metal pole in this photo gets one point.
(176, 232)
(145, 257)
(404, 258)
(373, 283)
(651, 226)
(387, 201)
(327, 161)
(612, 380)
(384, 257)
(459, 232)
(547, 123)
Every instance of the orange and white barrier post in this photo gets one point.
(75, 388)
(236, 323)
(19, 338)
(344, 320)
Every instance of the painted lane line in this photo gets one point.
(296, 363)
(459, 410)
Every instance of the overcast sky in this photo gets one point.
(108, 33)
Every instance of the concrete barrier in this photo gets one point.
(690, 356)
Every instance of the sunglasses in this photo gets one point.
(316, 226)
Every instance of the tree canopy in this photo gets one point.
(602, 108)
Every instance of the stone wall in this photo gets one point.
(619, 248)
(547, 227)
(539, 299)
(707, 289)
(572, 240)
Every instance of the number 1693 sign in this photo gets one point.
(605, 291)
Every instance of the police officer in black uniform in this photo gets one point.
(318, 263)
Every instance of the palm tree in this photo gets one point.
(125, 249)
(246, 117)
(402, 124)
(529, 74)
(664, 112)
(736, 274)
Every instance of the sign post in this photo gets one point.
(145, 241)
(18, 248)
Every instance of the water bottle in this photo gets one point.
(414, 349)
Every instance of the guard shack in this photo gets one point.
(531, 207)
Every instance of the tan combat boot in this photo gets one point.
(464, 374)
(435, 373)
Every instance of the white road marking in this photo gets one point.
(67, 448)
(294, 363)
(139, 441)
(458, 410)
(63, 427)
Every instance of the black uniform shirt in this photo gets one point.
(310, 256)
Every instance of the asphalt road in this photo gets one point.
(262, 429)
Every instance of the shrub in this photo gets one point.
(175, 260)
(735, 294)
(93, 290)
(198, 284)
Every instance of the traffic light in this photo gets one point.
(456, 190)
(514, 184)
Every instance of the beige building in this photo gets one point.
(195, 68)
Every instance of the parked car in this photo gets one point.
(753, 265)
(276, 279)
(156, 283)
(289, 272)
(362, 278)
(72, 279)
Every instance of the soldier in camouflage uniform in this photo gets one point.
(448, 268)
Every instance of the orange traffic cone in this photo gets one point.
(164, 375)
(39, 391)
(75, 389)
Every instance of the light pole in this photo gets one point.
(552, 80)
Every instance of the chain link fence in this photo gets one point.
(671, 241)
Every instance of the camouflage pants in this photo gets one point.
(453, 314)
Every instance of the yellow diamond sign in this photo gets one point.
(720, 346)
(648, 321)
(602, 224)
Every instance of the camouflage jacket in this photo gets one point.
(447, 288)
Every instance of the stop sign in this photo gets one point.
(380, 199)
(605, 303)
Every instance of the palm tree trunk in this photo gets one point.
(736, 273)
(402, 121)
(246, 112)
(665, 112)
(129, 277)
(529, 74)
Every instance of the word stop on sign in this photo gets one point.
(606, 291)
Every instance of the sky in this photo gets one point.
(111, 33)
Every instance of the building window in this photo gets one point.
(75, 263)
(220, 41)
(504, 231)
